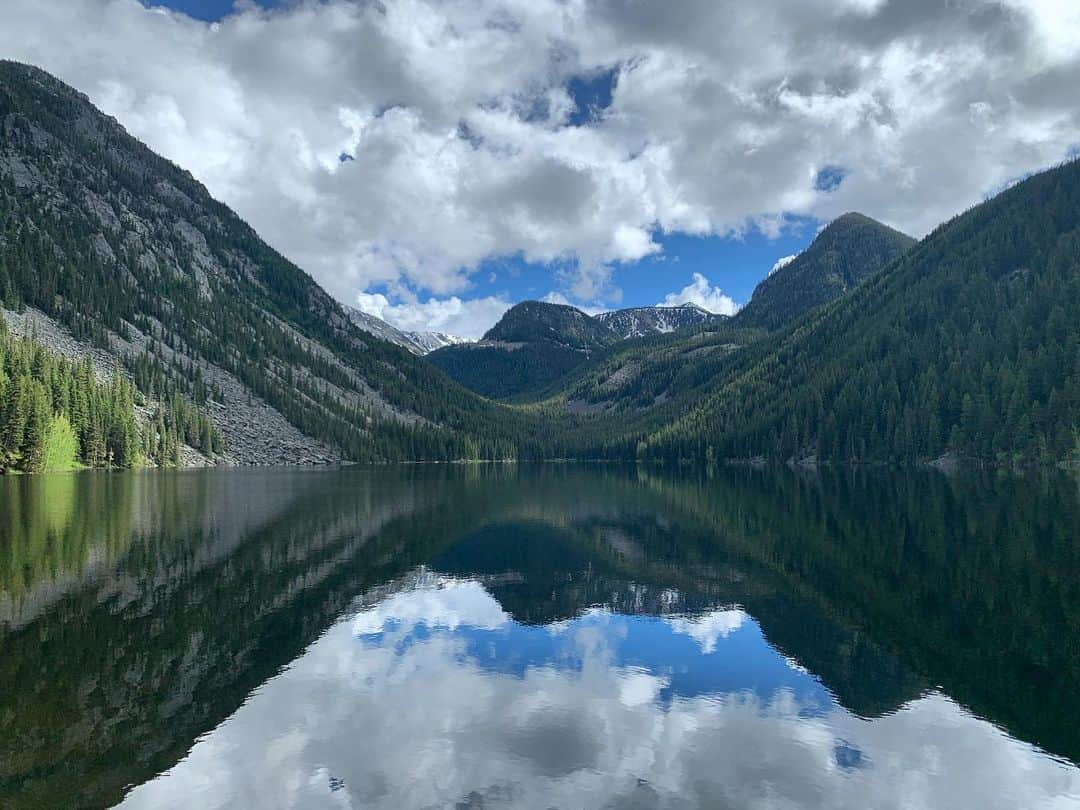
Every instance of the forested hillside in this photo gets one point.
(131, 254)
(646, 374)
(57, 415)
(967, 345)
(851, 249)
(538, 349)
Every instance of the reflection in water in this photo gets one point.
(539, 637)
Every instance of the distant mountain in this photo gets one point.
(643, 321)
(537, 343)
(556, 324)
(419, 343)
(110, 252)
(427, 342)
(850, 249)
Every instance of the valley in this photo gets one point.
(869, 347)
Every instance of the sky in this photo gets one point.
(435, 161)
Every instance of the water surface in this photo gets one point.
(536, 637)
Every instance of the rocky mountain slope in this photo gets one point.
(124, 252)
(419, 343)
(556, 324)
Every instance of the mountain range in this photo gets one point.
(536, 343)
(193, 341)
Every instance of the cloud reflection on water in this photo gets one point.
(434, 696)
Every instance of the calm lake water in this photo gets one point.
(539, 637)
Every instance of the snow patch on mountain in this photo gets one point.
(643, 321)
(419, 343)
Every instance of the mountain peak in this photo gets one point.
(848, 250)
(560, 324)
(642, 321)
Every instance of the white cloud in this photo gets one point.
(456, 115)
(416, 720)
(555, 297)
(782, 262)
(441, 602)
(709, 628)
(699, 291)
(468, 318)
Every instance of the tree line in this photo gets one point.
(56, 414)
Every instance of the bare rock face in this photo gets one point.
(255, 432)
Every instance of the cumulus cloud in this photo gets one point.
(555, 297)
(709, 628)
(435, 602)
(699, 291)
(407, 719)
(468, 318)
(463, 145)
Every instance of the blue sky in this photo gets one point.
(734, 264)
(209, 10)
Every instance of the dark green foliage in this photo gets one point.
(533, 345)
(35, 386)
(557, 324)
(850, 250)
(969, 344)
(498, 372)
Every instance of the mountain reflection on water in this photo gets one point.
(539, 637)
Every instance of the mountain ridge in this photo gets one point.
(419, 343)
(131, 254)
(965, 347)
(536, 343)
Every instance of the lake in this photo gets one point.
(539, 636)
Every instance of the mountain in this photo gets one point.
(535, 344)
(557, 324)
(419, 343)
(643, 321)
(644, 375)
(110, 252)
(966, 346)
(849, 250)
(427, 342)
